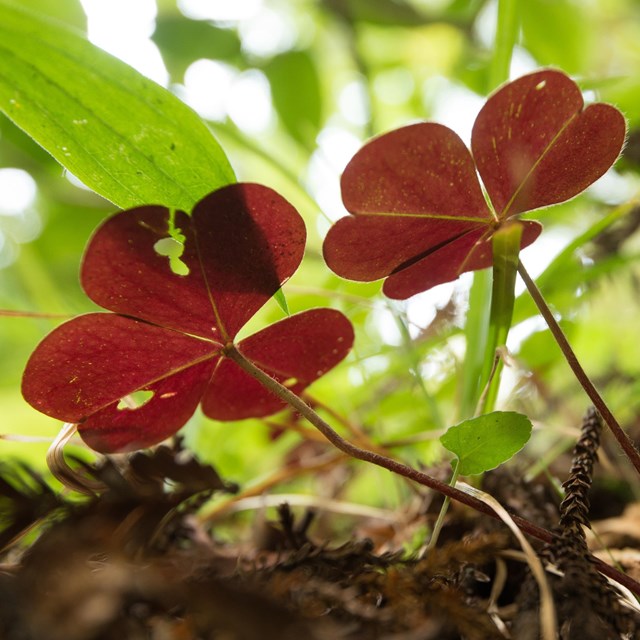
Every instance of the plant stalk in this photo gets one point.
(508, 26)
(437, 527)
(231, 352)
(506, 249)
(480, 336)
(623, 439)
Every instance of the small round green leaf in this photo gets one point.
(485, 442)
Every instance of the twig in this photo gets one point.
(623, 439)
(399, 468)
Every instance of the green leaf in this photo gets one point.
(68, 11)
(183, 41)
(485, 442)
(280, 298)
(383, 12)
(299, 103)
(124, 136)
(556, 34)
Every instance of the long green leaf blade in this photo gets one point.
(123, 135)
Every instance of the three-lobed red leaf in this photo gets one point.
(168, 332)
(419, 217)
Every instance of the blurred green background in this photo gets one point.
(291, 89)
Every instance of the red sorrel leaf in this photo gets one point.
(241, 244)
(444, 264)
(295, 351)
(418, 214)
(411, 192)
(175, 398)
(168, 335)
(421, 170)
(535, 144)
(92, 361)
(366, 248)
(248, 250)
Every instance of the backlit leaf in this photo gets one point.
(124, 136)
(485, 442)
(295, 351)
(419, 217)
(184, 41)
(242, 242)
(536, 144)
(170, 330)
(299, 103)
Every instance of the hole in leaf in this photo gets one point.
(541, 85)
(135, 400)
(290, 382)
(172, 249)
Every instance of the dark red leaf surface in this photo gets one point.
(94, 360)
(419, 217)
(295, 351)
(169, 331)
(535, 144)
(242, 242)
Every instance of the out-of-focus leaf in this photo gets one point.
(124, 136)
(626, 94)
(183, 41)
(558, 33)
(18, 149)
(384, 12)
(540, 351)
(463, 9)
(296, 93)
(485, 442)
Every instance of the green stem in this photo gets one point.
(480, 351)
(506, 36)
(623, 439)
(399, 468)
(506, 249)
(437, 527)
(476, 330)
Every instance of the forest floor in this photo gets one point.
(138, 561)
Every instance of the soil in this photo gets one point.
(137, 560)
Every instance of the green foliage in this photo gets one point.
(485, 442)
(124, 136)
(299, 103)
(68, 11)
(184, 41)
(406, 61)
(558, 32)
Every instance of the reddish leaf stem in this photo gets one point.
(401, 469)
(623, 439)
